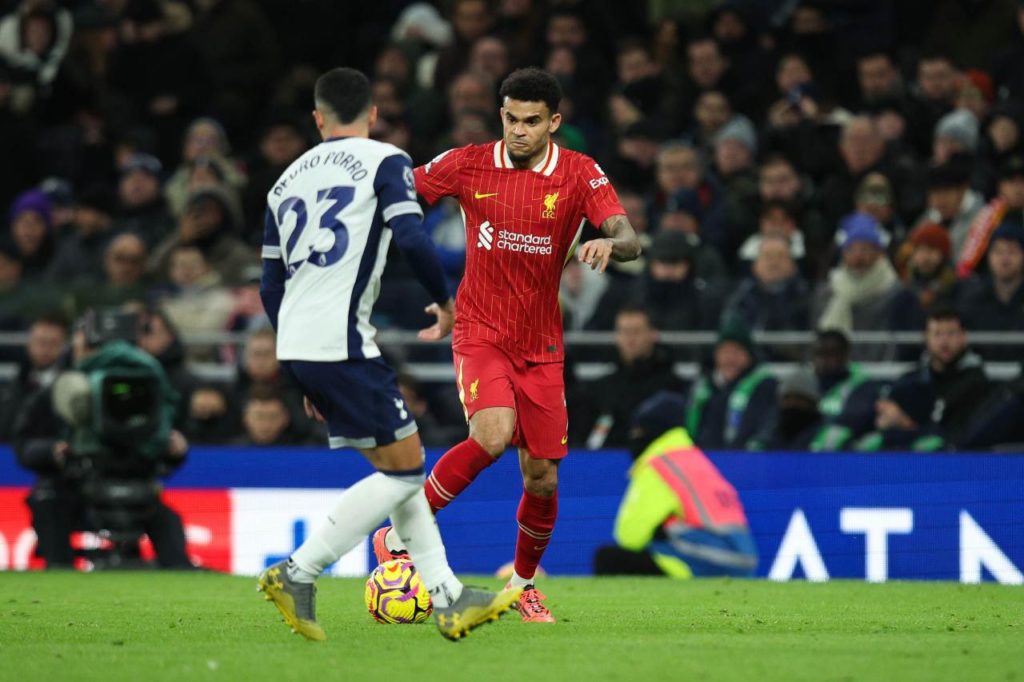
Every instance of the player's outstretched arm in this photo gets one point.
(620, 244)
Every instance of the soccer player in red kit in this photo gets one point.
(525, 201)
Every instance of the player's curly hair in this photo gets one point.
(532, 85)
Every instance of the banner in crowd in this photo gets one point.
(814, 516)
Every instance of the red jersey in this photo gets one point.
(521, 226)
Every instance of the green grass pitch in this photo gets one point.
(199, 626)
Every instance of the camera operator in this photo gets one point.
(99, 439)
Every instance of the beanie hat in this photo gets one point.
(933, 235)
(741, 129)
(802, 382)
(860, 227)
(36, 201)
(1012, 231)
(961, 126)
(736, 331)
(662, 411)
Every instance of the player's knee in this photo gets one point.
(541, 483)
(493, 438)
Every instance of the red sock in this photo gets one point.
(454, 471)
(536, 518)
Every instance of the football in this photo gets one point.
(396, 594)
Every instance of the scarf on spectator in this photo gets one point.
(848, 291)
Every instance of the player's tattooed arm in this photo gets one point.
(620, 244)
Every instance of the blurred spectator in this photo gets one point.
(580, 293)
(955, 133)
(995, 301)
(859, 292)
(196, 302)
(878, 78)
(928, 277)
(141, 205)
(432, 432)
(34, 40)
(679, 516)
(472, 20)
(951, 202)
(735, 398)
(799, 420)
(777, 219)
(17, 138)
(643, 368)
(933, 94)
(160, 71)
(780, 181)
(775, 297)
(735, 148)
(209, 224)
(281, 141)
(684, 214)
(21, 301)
(933, 404)
(260, 368)
(672, 294)
(32, 233)
(205, 161)
(47, 341)
(862, 150)
(999, 422)
(711, 111)
(79, 256)
(267, 419)
(520, 25)
(1006, 206)
(642, 85)
(679, 167)
(124, 269)
(490, 55)
(875, 197)
(848, 394)
(241, 51)
(212, 418)
(160, 339)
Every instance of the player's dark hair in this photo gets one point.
(532, 85)
(344, 92)
(941, 312)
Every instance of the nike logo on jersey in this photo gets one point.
(478, 195)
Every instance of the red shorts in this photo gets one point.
(487, 376)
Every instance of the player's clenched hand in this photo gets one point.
(445, 321)
(596, 253)
(311, 410)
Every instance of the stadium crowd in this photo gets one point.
(790, 165)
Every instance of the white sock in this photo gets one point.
(359, 510)
(416, 528)
(519, 581)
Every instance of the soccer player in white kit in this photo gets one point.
(330, 218)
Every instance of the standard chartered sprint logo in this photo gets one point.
(516, 242)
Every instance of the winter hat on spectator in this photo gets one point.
(961, 126)
(933, 235)
(737, 331)
(421, 20)
(143, 162)
(36, 201)
(801, 381)
(1009, 230)
(59, 191)
(662, 411)
(671, 247)
(982, 82)
(741, 129)
(860, 227)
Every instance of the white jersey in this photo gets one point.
(326, 219)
